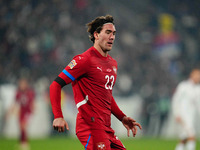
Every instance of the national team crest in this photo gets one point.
(115, 69)
(101, 146)
(72, 64)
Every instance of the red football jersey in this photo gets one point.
(25, 100)
(93, 79)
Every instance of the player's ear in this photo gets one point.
(96, 35)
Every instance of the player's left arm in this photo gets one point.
(128, 122)
(116, 111)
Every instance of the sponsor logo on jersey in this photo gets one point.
(101, 146)
(72, 64)
(108, 70)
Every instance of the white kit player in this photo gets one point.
(185, 105)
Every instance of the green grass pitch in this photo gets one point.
(66, 143)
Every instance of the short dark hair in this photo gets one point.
(97, 24)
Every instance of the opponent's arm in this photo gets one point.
(177, 101)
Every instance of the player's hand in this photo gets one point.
(131, 124)
(59, 124)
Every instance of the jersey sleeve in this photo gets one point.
(198, 100)
(76, 68)
(177, 99)
(55, 98)
(115, 110)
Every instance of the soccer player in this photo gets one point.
(93, 75)
(24, 102)
(185, 106)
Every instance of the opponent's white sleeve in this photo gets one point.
(198, 100)
(177, 100)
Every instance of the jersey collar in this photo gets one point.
(99, 55)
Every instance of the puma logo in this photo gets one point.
(100, 68)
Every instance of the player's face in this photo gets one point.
(23, 84)
(196, 77)
(106, 37)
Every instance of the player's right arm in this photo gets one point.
(75, 69)
(59, 123)
(177, 100)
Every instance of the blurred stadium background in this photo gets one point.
(156, 46)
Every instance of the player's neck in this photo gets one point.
(101, 51)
